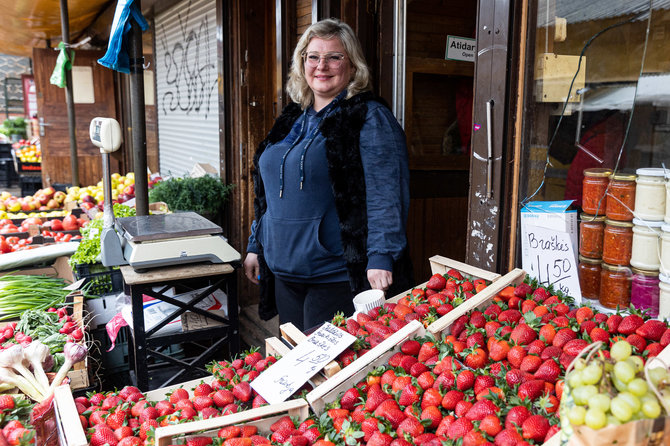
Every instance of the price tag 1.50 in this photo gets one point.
(287, 375)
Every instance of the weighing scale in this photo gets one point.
(151, 241)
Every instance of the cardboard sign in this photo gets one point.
(289, 374)
(461, 48)
(550, 259)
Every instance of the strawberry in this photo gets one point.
(652, 330)
(490, 425)
(444, 425)
(425, 380)
(410, 347)
(550, 352)
(122, 432)
(549, 371)
(451, 398)
(587, 326)
(481, 409)
(102, 436)
(202, 389)
(475, 358)
(535, 428)
(407, 362)
(375, 396)
(514, 377)
(352, 326)
(613, 323)
(522, 290)
(223, 397)
(242, 391)
(583, 313)
(575, 346)
(530, 363)
(417, 369)
(523, 334)
(379, 439)
(148, 413)
(516, 416)
(465, 380)
(540, 294)
(665, 338)
(629, 324)
(531, 389)
(350, 398)
(458, 428)
(565, 360)
(411, 426)
(178, 394)
(200, 402)
(599, 334)
(637, 341)
(536, 347)
(433, 414)
(284, 423)
(482, 382)
(516, 355)
(130, 441)
(6, 402)
(474, 438)
(427, 350)
(436, 282)
(653, 349)
(509, 316)
(462, 408)
(508, 437)
(237, 442)
(116, 419)
(563, 336)
(147, 426)
(554, 429)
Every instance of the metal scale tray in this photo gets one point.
(149, 228)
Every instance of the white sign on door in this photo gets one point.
(461, 48)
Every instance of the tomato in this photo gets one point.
(5, 247)
(67, 237)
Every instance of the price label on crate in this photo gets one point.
(293, 370)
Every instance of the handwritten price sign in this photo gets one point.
(282, 380)
(551, 260)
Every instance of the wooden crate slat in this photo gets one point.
(162, 393)
(440, 265)
(273, 346)
(70, 430)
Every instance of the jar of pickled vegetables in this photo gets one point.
(644, 291)
(621, 197)
(650, 193)
(589, 277)
(615, 282)
(617, 242)
(646, 250)
(594, 187)
(591, 233)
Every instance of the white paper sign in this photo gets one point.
(461, 48)
(293, 370)
(551, 260)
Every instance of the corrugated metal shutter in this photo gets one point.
(186, 86)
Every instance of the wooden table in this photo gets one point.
(192, 277)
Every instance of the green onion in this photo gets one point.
(24, 292)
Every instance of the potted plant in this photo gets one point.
(205, 195)
(15, 128)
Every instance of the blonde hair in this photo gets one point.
(297, 86)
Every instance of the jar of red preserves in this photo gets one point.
(617, 242)
(615, 282)
(591, 233)
(594, 187)
(589, 277)
(621, 197)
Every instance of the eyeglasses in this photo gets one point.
(333, 60)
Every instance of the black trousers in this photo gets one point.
(307, 305)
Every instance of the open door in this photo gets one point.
(94, 95)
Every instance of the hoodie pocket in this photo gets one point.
(293, 247)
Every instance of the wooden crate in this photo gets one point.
(70, 431)
(261, 417)
(163, 392)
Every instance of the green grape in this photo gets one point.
(612, 420)
(621, 350)
(575, 379)
(638, 387)
(580, 363)
(595, 419)
(581, 395)
(648, 397)
(609, 366)
(576, 415)
(666, 398)
(591, 374)
(631, 400)
(600, 402)
(658, 374)
(620, 385)
(637, 362)
(624, 372)
(620, 409)
(651, 409)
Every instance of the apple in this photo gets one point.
(70, 223)
(27, 206)
(59, 196)
(86, 205)
(123, 197)
(129, 190)
(56, 225)
(42, 198)
(88, 199)
(49, 192)
(53, 204)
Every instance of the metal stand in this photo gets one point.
(145, 343)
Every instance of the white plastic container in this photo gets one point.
(667, 197)
(664, 297)
(650, 194)
(646, 251)
(665, 251)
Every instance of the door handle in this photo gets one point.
(489, 143)
(43, 124)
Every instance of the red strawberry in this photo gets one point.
(411, 347)
(629, 324)
(490, 425)
(379, 439)
(129, 441)
(522, 290)
(444, 425)
(575, 346)
(665, 339)
(523, 334)
(481, 409)
(508, 437)
(229, 432)
(352, 326)
(178, 394)
(407, 362)
(613, 323)
(427, 350)
(458, 428)
(548, 371)
(409, 395)
(257, 440)
(536, 347)
(530, 363)
(565, 360)
(531, 389)
(462, 408)
(513, 377)
(540, 294)
(200, 402)
(433, 414)
(102, 436)
(653, 349)
(587, 326)
(550, 352)
(553, 429)
(284, 423)
(599, 334)
(474, 438)
(482, 382)
(516, 416)
(637, 341)
(652, 330)
(116, 419)
(510, 316)
(242, 391)
(436, 282)
(375, 396)
(147, 426)
(535, 428)
(411, 426)
(350, 398)
(417, 369)
(451, 398)
(516, 355)
(223, 397)
(465, 380)
(563, 336)
(202, 389)
(6, 402)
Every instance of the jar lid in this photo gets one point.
(651, 171)
(590, 217)
(589, 260)
(621, 224)
(663, 278)
(615, 268)
(622, 176)
(597, 172)
(651, 224)
(644, 272)
(665, 228)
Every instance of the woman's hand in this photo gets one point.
(251, 267)
(379, 279)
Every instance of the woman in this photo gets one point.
(332, 188)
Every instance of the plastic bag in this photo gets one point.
(63, 63)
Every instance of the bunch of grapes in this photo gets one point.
(614, 391)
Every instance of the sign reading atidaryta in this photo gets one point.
(284, 378)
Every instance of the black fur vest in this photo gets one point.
(342, 131)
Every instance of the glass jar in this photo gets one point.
(615, 286)
(621, 197)
(617, 242)
(650, 194)
(591, 232)
(646, 251)
(644, 290)
(663, 297)
(594, 187)
(665, 250)
(589, 277)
